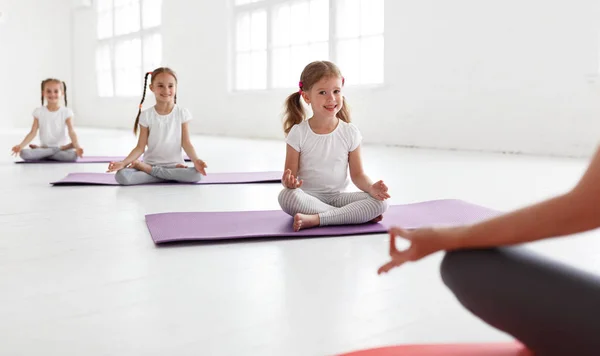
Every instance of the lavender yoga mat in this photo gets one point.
(86, 159)
(211, 178)
(207, 226)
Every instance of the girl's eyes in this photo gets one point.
(335, 92)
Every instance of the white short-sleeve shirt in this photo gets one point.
(164, 137)
(52, 125)
(324, 158)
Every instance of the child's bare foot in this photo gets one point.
(141, 166)
(377, 219)
(32, 146)
(303, 221)
(179, 165)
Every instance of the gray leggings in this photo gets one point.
(50, 153)
(333, 209)
(549, 307)
(131, 176)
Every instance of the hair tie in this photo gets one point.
(343, 81)
(140, 106)
(300, 85)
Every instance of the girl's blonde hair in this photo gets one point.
(153, 75)
(312, 73)
(57, 81)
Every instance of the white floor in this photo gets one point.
(80, 275)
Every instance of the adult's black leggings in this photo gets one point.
(551, 308)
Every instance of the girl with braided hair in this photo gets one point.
(53, 121)
(164, 130)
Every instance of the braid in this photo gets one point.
(65, 91)
(175, 99)
(43, 85)
(137, 119)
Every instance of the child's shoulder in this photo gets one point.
(348, 127)
(299, 130)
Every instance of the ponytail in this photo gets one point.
(344, 113)
(137, 119)
(65, 92)
(294, 112)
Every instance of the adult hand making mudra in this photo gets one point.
(423, 242)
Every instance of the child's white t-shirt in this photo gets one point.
(324, 158)
(164, 137)
(52, 125)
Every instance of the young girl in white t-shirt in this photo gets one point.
(319, 152)
(164, 129)
(53, 122)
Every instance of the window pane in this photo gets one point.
(347, 18)
(104, 26)
(371, 13)
(152, 52)
(104, 5)
(258, 30)
(298, 22)
(128, 67)
(242, 71)
(348, 57)
(151, 13)
(258, 70)
(318, 25)
(103, 57)
(281, 26)
(371, 60)
(243, 32)
(244, 2)
(319, 51)
(300, 58)
(282, 75)
(127, 16)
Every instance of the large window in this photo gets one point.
(275, 39)
(129, 44)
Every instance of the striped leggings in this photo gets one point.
(49, 153)
(333, 209)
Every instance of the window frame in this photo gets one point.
(269, 6)
(112, 41)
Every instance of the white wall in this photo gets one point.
(35, 43)
(510, 75)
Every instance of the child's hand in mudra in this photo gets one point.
(200, 166)
(79, 152)
(289, 181)
(379, 191)
(15, 150)
(115, 166)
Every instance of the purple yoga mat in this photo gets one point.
(211, 178)
(207, 226)
(86, 159)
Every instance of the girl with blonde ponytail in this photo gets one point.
(320, 150)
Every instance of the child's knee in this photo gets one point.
(25, 154)
(287, 197)
(193, 176)
(122, 177)
(67, 156)
(381, 205)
